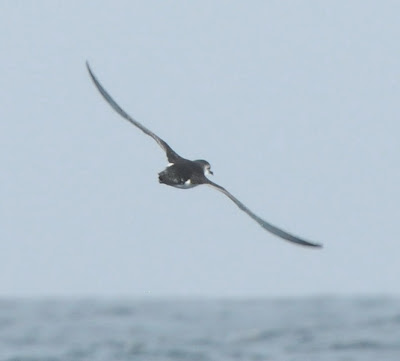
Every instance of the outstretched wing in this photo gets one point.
(269, 227)
(171, 155)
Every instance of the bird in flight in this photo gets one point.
(184, 173)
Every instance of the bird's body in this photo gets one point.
(184, 173)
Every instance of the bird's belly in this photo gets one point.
(185, 185)
(174, 179)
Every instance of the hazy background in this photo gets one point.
(295, 105)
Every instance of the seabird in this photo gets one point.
(184, 173)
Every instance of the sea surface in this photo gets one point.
(306, 329)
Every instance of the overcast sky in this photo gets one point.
(296, 105)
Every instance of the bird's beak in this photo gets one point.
(209, 171)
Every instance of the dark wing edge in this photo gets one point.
(267, 226)
(171, 154)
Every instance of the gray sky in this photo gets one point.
(294, 104)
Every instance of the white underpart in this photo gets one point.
(186, 185)
(170, 165)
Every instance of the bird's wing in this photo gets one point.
(171, 155)
(269, 227)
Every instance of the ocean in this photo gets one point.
(293, 329)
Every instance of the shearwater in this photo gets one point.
(184, 173)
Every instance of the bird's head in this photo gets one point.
(205, 165)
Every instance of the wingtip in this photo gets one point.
(316, 245)
(87, 65)
(90, 71)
